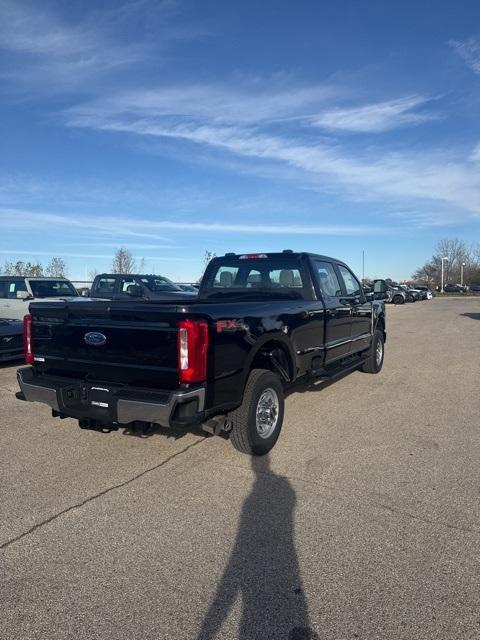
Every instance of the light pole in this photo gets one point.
(461, 273)
(442, 291)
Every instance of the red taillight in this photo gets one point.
(192, 350)
(28, 339)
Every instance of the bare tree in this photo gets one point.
(56, 268)
(458, 255)
(208, 255)
(21, 268)
(92, 274)
(123, 262)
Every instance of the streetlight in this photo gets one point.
(461, 273)
(442, 291)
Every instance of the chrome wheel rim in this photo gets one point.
(267, 413)
(379, 353)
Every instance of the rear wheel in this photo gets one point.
(398, 300)
(374, 362)
(257, 422)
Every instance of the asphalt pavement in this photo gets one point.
(363, 523)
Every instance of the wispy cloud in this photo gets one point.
(99, 256)
(375, 118)
(21, 219)
(251, 103)
(69, 55)
(435, 176)
(469, 50)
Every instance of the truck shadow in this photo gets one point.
(147, 431)
(263, 570)
(314, 385)
(304, 385)
(473, 316)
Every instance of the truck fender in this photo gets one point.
(284, 343)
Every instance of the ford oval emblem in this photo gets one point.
(95, 338)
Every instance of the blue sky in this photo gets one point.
(179, 126)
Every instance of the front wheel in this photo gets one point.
(398, 300)
(374, 362)
(257, 422)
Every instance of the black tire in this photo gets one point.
(398, 300)
(244, 434)
(374, 364)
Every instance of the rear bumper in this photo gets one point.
(108, 404)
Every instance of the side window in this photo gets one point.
(106, 285)
(352, 286)
(16, 289)
(3, 289)
(327, 279)
(127, 284)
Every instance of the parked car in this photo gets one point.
(475, 288)
(114, 286)
(454, 288)
(221, 359)
(17, 292)
(425, 291)
(11, 340)
(396, 295)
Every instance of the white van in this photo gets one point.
(17, 292)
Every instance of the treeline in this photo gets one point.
(55, 268)
(460, 258)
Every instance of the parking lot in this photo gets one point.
(363, 523)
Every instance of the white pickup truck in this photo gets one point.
(16, 293)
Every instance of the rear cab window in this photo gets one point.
(271, 276)
(52, 289)
(105, 285)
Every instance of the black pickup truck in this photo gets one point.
(221, 360)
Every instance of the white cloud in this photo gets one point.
(469, 50)
(54, 56)
(475, 155)
(106, 256)
(438, 176)
(15, 219)
(213, 103)
(376, 117)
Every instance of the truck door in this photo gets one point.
(337, 312)
(361, 310)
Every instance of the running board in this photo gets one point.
(334, 372)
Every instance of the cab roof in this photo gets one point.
(286, 253)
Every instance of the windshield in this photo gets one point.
(159, 283)
(52, 289)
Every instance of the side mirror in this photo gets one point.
(380, 286)
(135, 290)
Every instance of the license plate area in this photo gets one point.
(99, 397)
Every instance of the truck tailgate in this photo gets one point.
(136, 343)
